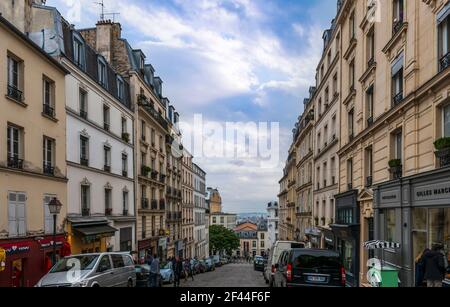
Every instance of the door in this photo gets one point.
(105, 273)
(120, 277)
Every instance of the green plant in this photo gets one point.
(146, 170)
(126, 137)
(395, 163)
(442, 143)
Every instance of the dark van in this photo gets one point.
(309, 268)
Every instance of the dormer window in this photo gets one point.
(142, 62)
(102, 77)
(78, 51)
(120, 88)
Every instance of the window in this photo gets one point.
(371, 47)
(222, 220)
(153, 137)
(446, 121)
(398, 145)
(125, 165)
(369, 105)
(48, 97)
(319, 106)
(15, 78)
(161, 143)
(78, 52)
(262, 244)
(48, 217)
(143, 130)
(397, 80)
(85, 200)
(327, 97)
(48, 156)
(345, 216)
(108, 202)
(443, 21)
(106, 117)
(120, 88)
(107, 158)
(369, 166)
(352, 25)
(83, 103)
(84, 151)
(329, 58)
(335, 84)
(254, 244)
(333, 170)
(350, 174)
(390, 222)
(14, 147)
(17, 214)
(351, 132)
(102, 72)
(124, 125)
(398, 12)
(352, 75)
(104, 264)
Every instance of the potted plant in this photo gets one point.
(395, 167)
(145, 170)
(126, 137)
(442, 152)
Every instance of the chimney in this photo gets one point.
(107, 33)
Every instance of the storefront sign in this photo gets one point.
(438, 191)
(48, 242)
(16, 248)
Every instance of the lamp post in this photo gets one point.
(54, 207)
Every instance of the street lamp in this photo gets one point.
(54, 207)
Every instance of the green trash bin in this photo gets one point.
(389, 277)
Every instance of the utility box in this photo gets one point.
(389, 277)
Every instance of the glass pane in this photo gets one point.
(439, 220)
(420, 219)
(447, 121)
(390, 225)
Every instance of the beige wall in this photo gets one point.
(35, 127)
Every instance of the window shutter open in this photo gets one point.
(12, 221)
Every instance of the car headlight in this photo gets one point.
(81, 284)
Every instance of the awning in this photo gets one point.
(104, 230)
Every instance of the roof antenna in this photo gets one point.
(102, 5)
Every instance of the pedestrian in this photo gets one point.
(434, 264)
(420, 268)
(177, 270)
(154, 272)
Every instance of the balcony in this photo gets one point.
(444, 62)
(47, 110)
(397, 99)
(125, 212)
(154, 175)
(15, 93)
(154, 204)
(124, 174)
(351, 136)
(162, 204)
(162, 178)
(48, 169)
(85, 211)
(14, 162)
(108, 211)
(371, 62)
(397, 26)
(369, 180)
(107, 168)
(370, 121)
(169, 191)
(144, 203)
(84, 161)
(145, 170)
(83, 114)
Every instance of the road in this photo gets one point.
(238, 275)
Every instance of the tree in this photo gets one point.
(222, 239)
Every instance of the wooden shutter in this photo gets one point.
(12, 221)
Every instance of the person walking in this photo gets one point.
(434, 265)
(154, 272)
(177, 270)
(420, 268)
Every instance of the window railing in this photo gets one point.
(144, 203)
(371, 62)
(48, 169)
(48, 110)
(124, 173)
(85, 211)
(83, 114)
(397, 26)
(370, 121)
(84, 161)
(14, 162)
(154, 204)
(15, 93)
(108, 211)
(125, 212)
(444, 62)
(106, 126)
(107, 168)
(397, 98)
(369, 181)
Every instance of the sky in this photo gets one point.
(246, 61)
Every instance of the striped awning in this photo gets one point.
(376, 244)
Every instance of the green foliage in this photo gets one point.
(442, 143)
(222, 239)
(395, 163)
(146, 170)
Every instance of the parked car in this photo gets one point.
(202, 266)
(258, 263)
(274, 255)
(166, 273)
(209, 263)
(309, 268)
(217, 261)
(224, 260)
(95, 270)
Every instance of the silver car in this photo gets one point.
(92, 270)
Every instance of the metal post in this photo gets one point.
(54, 239)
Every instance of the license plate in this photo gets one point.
(316, 279)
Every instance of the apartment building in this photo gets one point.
(289, 218)
(200, 238)
(187, 189)
(272, 223)
(252, 238)
(227, 220)
(33, 168)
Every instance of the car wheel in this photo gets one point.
(130, 284)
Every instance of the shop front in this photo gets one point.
(27, 260)
(346, 233)
(328, 239)
(415, 212)
(90, 236)
(314, 236)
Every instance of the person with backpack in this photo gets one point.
(434, 267)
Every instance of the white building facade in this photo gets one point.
(272, 223)
(201, 241)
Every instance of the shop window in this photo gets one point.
(397, 80)
(390, 222)
(443, 20)
(446, 121)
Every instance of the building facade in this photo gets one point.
(33, 168)
(214, 200)
(188, 204)
(200, 239)
(272, 223)
(252, 238)
(227, 220)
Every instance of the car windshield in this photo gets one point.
(83, 262)
(315, 262)
(167, 266)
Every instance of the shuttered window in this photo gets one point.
(16, 214)
(48, 218)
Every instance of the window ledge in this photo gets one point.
(49, 117)
(350, 48)
(368, 72)
(389, 46)
(20, 103)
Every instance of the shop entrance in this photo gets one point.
(17, 271)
